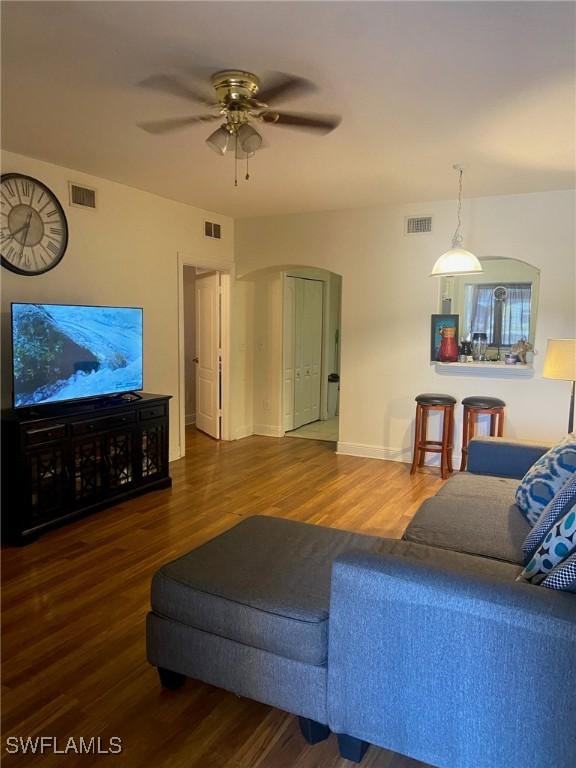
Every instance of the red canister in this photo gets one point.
(448, 352)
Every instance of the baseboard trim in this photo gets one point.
(175, 455)
(242, 432)
(385, 453)
(373, 451)
(190, 419)
(268, 430)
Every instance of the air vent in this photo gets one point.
(82, 197)
(212, 230)
(418, 225)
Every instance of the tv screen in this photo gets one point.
(66, 352)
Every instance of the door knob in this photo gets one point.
(194, 359)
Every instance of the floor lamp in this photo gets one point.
(560, 363)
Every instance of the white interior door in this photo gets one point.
(208, 354)
(308, 311)
(288, 353)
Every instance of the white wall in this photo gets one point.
(267, 364)
(387, 300)
(125, 253)
(189, 294)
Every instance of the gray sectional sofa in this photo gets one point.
(426, 646)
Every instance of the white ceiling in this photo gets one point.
(420, 86)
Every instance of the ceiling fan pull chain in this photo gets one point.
(247, 169)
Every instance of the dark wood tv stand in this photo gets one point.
(65, 460)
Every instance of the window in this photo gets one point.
(500, 310)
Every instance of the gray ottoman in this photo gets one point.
(248, 612)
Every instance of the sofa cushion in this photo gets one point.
(489, 526)
(563, 577)
(562, 503)
(459, 563)
(264, 583)
(545, 478)
(480, 487)
(558, 545)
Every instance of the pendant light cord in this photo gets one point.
(457, 239)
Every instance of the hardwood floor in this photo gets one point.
(74, 604)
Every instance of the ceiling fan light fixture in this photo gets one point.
(249, 139)
(219, 140)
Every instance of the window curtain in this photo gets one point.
(482, 316)
(511, 323)
(516, 314)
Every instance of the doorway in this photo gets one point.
(311, 354)
(204, 350)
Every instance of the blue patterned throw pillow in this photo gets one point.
(563, 577)
(562, 503)
(545, 478)
(558, 545)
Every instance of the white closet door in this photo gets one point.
(307, 350)
(288, 353)
(208, 354)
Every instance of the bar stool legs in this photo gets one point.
(473, 407)
(422, 446)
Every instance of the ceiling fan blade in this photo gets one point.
(284, 86)
(175, 123)
(308, 122)
(173, 86)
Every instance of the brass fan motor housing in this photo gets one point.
(234, 85)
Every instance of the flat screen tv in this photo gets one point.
(69, 352)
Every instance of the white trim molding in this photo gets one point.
(268, 430)
(374, 452)
(241, 432)
(383, 453)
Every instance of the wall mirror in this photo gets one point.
(501, 301)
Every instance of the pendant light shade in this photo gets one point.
(457, 260)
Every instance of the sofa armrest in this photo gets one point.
(506, 458)
(450, 668)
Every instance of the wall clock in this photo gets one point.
(33, 227)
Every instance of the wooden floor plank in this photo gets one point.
(74, 605)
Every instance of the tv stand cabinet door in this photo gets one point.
(47, 487)
(120, 460)
(88, 470)
(154, 450)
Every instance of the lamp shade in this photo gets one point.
(456, 261)
(560, 360)
(249, 139)
(218, 141)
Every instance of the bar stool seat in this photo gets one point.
(426, 402)
(429, 398)
(478, 401)
(473, 407)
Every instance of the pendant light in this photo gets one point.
(457, 261)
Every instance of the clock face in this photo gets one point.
(33, 227)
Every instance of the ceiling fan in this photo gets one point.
(240, 101)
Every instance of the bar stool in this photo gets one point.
(434, 402)
(473, 407)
